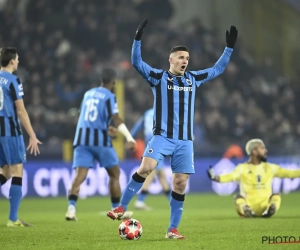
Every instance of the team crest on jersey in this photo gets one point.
(150, 151)
(189, 82)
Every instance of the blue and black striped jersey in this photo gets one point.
(174, 96)
(97, 107)
(11, 89)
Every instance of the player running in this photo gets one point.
(255, 179)
(93, 141)
(174, 100)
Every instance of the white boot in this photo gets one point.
(71, 213)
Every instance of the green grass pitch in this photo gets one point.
(209, 222)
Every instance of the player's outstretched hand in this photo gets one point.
(112, 131)
(139, 31)
(33, 146)
(131, 145)
(231, 36)
(211, 173)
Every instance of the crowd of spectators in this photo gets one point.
(63, 45)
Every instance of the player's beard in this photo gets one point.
(263, 158)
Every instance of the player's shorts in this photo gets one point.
(181, 152)
(160, 165)
(12, 150)
(84, 156)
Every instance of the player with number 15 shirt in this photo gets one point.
(93, 141)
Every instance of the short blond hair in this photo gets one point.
(252, 144)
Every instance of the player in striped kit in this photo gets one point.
(93, 141)
(174, 99)
(12, 148)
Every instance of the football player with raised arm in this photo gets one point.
(174, 101)
(255, 179)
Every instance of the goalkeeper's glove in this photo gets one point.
(231, 36)
(211, 173)
(139, 31)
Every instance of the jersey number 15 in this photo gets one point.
(91, 111)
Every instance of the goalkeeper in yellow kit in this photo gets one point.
(255, 179)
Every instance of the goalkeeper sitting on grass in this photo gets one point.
(255, 179)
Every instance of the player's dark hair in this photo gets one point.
(7, 54)
(179, 48)
(107, 75)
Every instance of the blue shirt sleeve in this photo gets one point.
(137, 127)
(151, 75)
(112, 105)
(16, 89)
(202, 76)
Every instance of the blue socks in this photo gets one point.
(133, 186)
(73, 199)
(115, 202)
(15, 196)
(142, 196)
(176, 204)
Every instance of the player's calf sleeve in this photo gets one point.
(275, 199)
(176, 205)
(2, 180)
(133, 186)
(72, 199)
(142, 196)
(15, 196)
(115, 202)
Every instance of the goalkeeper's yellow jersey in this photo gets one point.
(255, 181)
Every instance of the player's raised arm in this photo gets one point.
(285, 173)
(201, 76)
(230, 177)
(147, 72)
